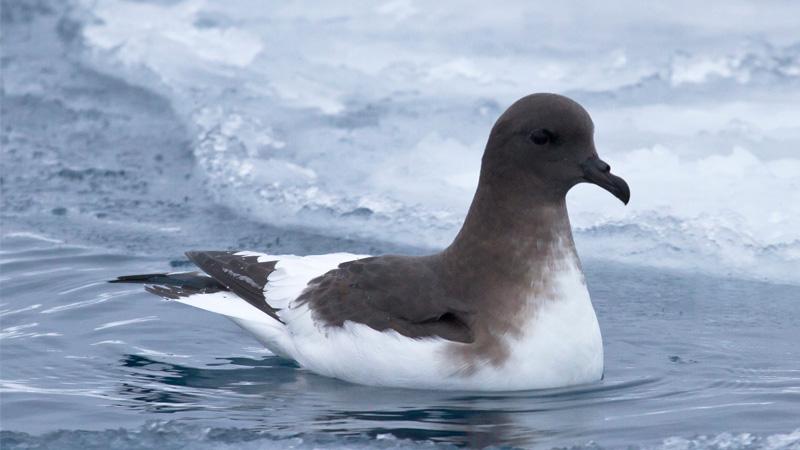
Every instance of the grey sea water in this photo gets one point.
(686, 355)
(100, 178)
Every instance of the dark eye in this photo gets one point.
(541, 136)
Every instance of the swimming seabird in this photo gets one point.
(504, 307)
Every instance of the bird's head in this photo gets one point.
(544, 143)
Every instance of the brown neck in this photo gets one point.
(510, 234)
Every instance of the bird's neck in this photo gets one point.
(512, 234)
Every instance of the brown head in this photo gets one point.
(543, 145)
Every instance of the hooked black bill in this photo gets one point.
(596, 171)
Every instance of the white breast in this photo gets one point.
(561, 344)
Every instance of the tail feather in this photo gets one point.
(143, 278)
(174, 285)
(202, 291)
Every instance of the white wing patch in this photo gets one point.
(292, 274)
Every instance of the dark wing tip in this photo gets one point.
(187, 281)
(199, 257)
(143, 278)
(242, 274)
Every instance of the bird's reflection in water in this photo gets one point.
(273, 395)
(461, 426)
(229, 372)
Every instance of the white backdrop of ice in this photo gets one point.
(369, 119)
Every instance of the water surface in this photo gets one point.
(685, 355)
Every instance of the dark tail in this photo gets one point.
(174, 285)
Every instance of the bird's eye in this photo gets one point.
(541, 136)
